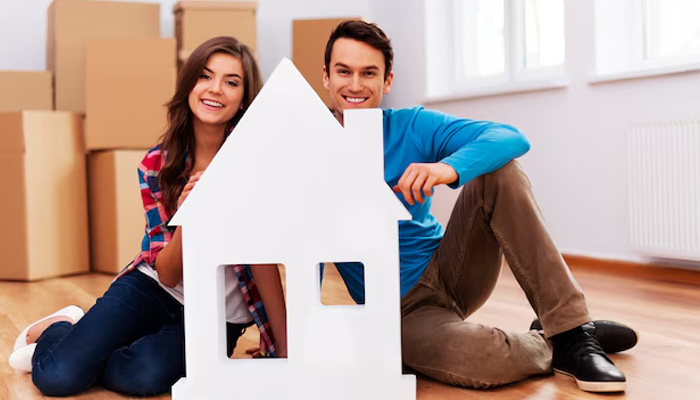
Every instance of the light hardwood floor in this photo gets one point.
(663, 305)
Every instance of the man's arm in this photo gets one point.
(461, 149)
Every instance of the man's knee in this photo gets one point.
(507, 173)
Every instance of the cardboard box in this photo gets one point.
(71, 23)
(44, 230)
(309, 37)
(117, 219)
(199, 21)
(128, 83)
(26, 90)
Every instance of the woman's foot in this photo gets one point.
(36, 329)
(23, 351)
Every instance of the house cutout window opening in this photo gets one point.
(242, 334)
(333, 291)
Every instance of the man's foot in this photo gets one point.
(578, 354)
(613, 337)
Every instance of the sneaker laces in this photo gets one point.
(585, 344)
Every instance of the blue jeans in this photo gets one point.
(131, 341)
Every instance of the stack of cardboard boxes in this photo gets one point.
(74, 135)
(198, 21)
(44, 229)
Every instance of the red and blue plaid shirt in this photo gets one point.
(158, 234)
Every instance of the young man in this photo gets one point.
(447, 274)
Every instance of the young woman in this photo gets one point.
(132, 340)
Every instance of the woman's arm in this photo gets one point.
(269, 283)
(168, 262)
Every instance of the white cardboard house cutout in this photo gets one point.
(291, 186)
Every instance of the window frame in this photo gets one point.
(630, 62)
(445, 83)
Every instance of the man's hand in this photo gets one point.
(419, 179)
(188, 188)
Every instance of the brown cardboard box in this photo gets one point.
(44, 230)
(309, 37)
(128, 83)
(26, 90)
(116, 210)
(198, 21)
(72, 22)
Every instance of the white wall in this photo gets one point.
(23, 35)
(407, 33)
(578, 159)
(275, 24)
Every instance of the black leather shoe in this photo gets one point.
(613, 337)
(578, 354)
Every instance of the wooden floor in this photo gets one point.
(664, 307)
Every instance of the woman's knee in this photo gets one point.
(142, 373)
(60, 380)
(146, 382)
(149, 382)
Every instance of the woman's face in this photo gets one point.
(218, 93)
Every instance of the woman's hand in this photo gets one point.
(188, 188)
(254, 352)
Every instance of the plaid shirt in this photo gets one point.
(158, 234)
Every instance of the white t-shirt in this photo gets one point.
(236, 308)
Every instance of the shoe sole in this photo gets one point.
(596, 387)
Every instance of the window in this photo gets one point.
(478, 44)
(671, 28)
(646, 35)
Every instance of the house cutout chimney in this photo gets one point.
(278, 191)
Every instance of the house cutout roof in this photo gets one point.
(295, 171)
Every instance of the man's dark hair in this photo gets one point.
(364, 32)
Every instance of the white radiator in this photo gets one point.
(664, 191)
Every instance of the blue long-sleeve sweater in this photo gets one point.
(417, 135)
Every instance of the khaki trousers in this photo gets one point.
(495, 215)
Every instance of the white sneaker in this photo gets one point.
(21, 357)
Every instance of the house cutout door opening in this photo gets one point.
(238, 319)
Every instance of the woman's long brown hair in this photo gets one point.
(178, 141)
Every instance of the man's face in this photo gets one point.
(356, 76)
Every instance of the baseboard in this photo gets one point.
(655, 272)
